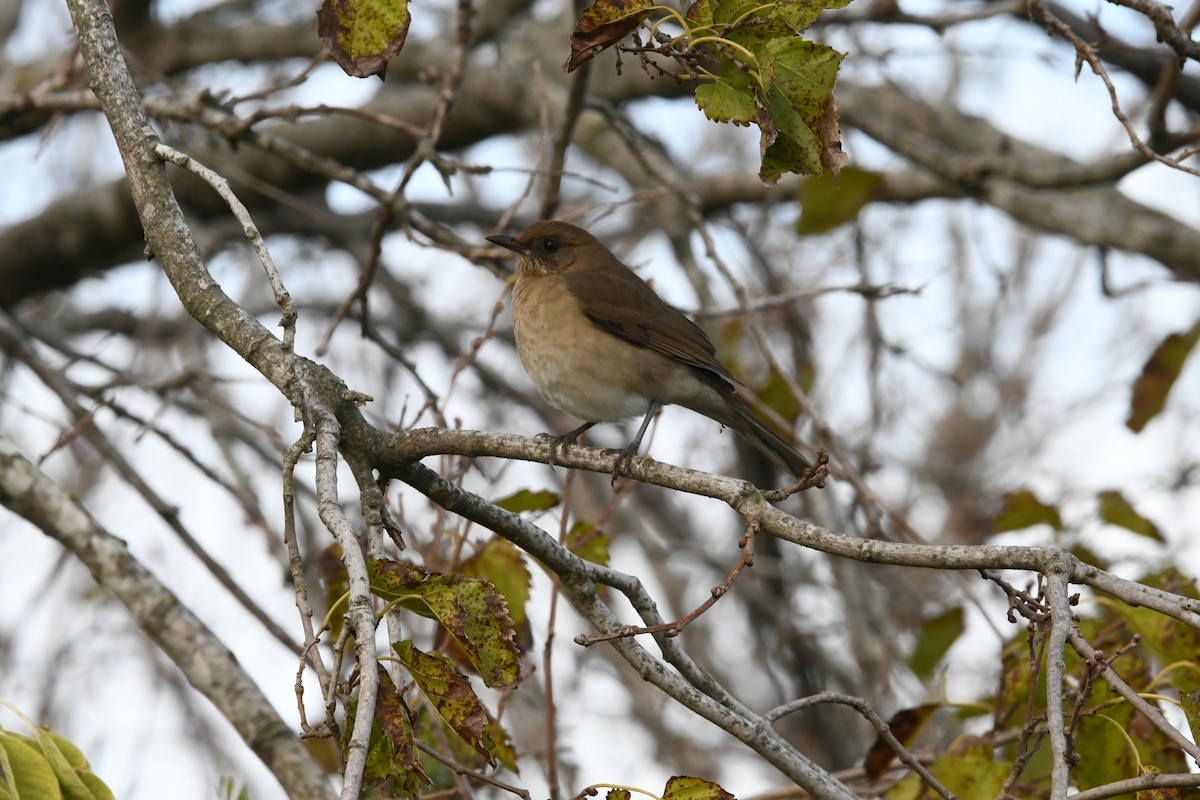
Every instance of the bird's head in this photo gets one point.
(549, 247)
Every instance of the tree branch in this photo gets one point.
(394, 451)
(578, 579)
(207, 664)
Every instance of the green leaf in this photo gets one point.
(828, 201)
(97, 787)
(27, 771)
(362, 35)
(969, 769)
(1022, 509)
(937, 636)
(1170, 640)
(1116, 510)
(777, 395)
(7, 772)
(786, 143)
(1158, 376)
(769, 74)
(69, 781)
(490, 632)
(1107, 756)
(714, 17)
(682, 787)
(798, 15)
(730, 98)
(801, 76)
(804, 71)
(450, 694)
(526, 500)
(505, 567)
(471, 610)
(405, 584)
(588, 542)
(499, 744)
(780, 17)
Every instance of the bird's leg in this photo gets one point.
(625, 456)
(568, 438)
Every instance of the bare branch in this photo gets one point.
(1057, 587)
(1164, 25)
(877, 722)
(208, 665)
(1089, 653)
(282, 298)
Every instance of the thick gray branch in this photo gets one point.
(395, 450)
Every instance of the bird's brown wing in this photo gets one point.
(616, 300)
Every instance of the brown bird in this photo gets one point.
(600, 345)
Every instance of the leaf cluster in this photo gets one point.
(751, 62)
(46, 766)
(480, 615)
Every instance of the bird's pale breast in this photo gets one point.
(578, 368)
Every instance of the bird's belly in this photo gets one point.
(584, 384)
(578, 368)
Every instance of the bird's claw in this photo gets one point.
(623, 461)
(558, 444)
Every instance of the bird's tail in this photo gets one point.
(737, 415)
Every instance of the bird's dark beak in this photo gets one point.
(508, 243)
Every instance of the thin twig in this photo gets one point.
(1170, 34)
(1032, 726)
(14, 345)
(671, 629)
(1122, 688)
(562, 140)
(693, 689)
(1085, 52)
(469, 773)
(282, 298)
(296, 566)
(878, 722)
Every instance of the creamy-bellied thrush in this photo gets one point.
(600, 345)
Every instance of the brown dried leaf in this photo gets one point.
(603, 24)
(1158, 376)
(392, 715)
(833, 158)
(904, 725)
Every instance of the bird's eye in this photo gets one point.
(549, 245)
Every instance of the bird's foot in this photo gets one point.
(556, 444)
(561, 443)
(623, 460)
